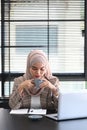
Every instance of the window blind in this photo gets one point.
(54, 26)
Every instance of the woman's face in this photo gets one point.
(38, 70)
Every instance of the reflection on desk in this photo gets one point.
(22, 122)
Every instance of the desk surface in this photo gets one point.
(22, 122)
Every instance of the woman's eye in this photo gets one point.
(42, 69)
(33, 68)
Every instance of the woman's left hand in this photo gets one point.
(46, 84)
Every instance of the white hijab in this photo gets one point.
(34, 57)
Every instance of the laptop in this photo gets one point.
(71, 105)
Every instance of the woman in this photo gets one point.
(25, 94)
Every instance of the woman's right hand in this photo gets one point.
(27, 84)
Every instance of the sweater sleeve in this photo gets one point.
(55, 98)
(52, 100)
(15, 99)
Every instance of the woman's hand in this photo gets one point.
(48, 84)
(27, 84)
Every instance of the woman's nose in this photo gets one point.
(38, 71)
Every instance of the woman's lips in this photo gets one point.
(37, 76)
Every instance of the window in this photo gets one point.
(55, 26)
